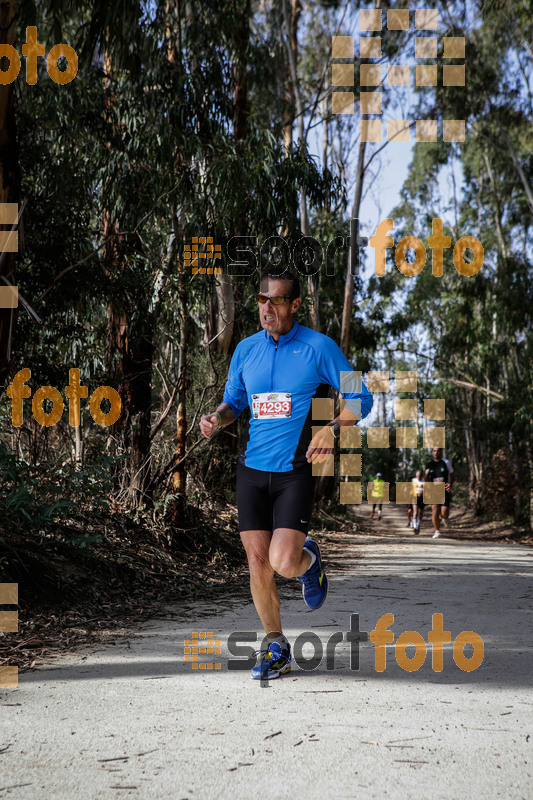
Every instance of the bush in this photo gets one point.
(30, 500)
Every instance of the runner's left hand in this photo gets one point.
(321, 446)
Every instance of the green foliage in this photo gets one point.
(141, 146)
(30, 500)
(475, 334)
(24, 501)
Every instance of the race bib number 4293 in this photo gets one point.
(271, 405)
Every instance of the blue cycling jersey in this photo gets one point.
(278, 381)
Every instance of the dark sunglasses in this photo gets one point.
(276, 301)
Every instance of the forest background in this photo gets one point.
(215, 119)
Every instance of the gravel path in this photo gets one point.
(133, 719)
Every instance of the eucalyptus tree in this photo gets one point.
(9, 178)
(476, 331)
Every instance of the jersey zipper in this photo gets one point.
(272, 370)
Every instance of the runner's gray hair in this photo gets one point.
(283, 274)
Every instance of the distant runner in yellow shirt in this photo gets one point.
(378, 490)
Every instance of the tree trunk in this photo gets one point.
(474, 463)
(325, 149)
(529, 449)
(291, 29)
(78, 447)
(289, 107)
(130, 362)
(179, 475)
(353, 256)
(517, 478)
(226, 313)
(497, 210)
(180, 472)
(9, 179)
(241, 106)
(525, 183)
(349, 282)
(224, 285)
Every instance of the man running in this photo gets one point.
(445, 511)
(277, 373)
(418, 492)
(410, 513)
(437, 472)
(377, 493)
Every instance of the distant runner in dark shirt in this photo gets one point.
(437, 472)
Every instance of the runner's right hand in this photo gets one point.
(321, 446)
(208, 425)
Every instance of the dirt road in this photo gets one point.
(133, 719)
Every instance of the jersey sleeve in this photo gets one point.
(335, 370)
(235, 394)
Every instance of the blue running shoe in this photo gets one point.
(276, 661)
(315, 582)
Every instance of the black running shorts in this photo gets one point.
(270, 500)
(420, 501)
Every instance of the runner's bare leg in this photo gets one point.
(281, 551)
